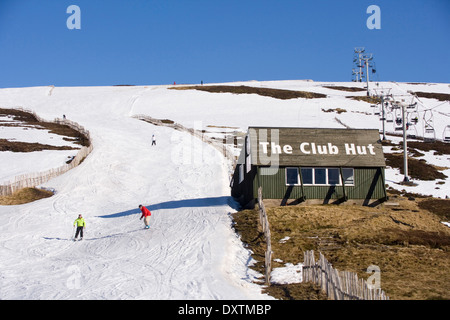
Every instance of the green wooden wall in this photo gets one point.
(368, 184)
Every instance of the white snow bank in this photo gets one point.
(290, 273)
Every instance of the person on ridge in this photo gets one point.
(81, 224)
(146, 215)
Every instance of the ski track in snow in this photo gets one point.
(182, 256)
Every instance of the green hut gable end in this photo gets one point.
(295, 165)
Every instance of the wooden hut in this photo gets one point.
(310, 165)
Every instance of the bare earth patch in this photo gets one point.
(25, 195)
(28, 120)
(267, 92)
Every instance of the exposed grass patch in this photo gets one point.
(18, 115)
(410, 245)
(440, 207)
(337, 110)
(439, 147)
(18, 146)
(29, 120)
(348, 89)
(434, 95)
(246, 225)
(25, 195)
(417, 169)
(373, 100)
(67, 131)
(298, 291)
(267, 92)
(167, 121)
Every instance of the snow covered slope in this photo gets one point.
(190, 251)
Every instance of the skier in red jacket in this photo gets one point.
(146, 215)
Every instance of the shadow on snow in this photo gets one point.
(176, 204)
(95, 238)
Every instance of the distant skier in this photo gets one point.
(153, 140)
(81, 224)
(146, 215)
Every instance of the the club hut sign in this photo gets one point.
(315, 147)
(312, 148)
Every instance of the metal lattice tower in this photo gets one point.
(362, 63)
(358, 71)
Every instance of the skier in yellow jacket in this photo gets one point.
(81, 224)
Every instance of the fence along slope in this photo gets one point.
(34, 179)
(338, 285)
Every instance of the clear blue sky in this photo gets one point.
(147, 42)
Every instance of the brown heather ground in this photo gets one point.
(407, 242)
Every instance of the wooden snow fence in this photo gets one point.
(72, 124)
(31, 180)
(338, 285)
(264, 224)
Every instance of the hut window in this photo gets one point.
(320, 176)
(333, 176)
(307, 175)
(348, 175)
(292, 178)
(327, 176)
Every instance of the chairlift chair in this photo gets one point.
(446, 134)
(429, 129)
(429, 135)
(411, 131)
(398, 124)
(415, 117)
(412, 106)
(376, 110)
(373, 67)
(389, 117)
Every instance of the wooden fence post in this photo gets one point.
(337, 285)
(264, 223)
